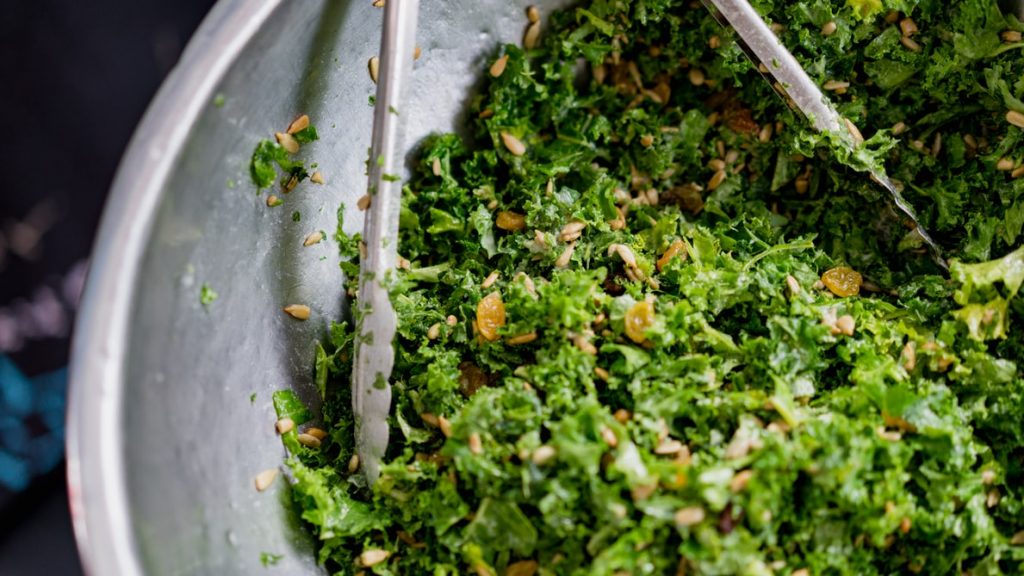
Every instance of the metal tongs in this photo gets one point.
(791, 82)
(375, 316)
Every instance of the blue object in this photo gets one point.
(31, 424)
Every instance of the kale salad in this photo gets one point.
(650, 324)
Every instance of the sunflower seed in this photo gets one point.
(566, 256)
(533, 14)
(792, 285)
(499, 66)
(265, 479)
(445, 425)
(309, 441)
(624, 252)
(609, 437)
(669, 446)
(689, 516)
(532, 36)
(696, 76)
(490, 280)
(373, 557)
(519, 339)
(908, 27)
(992, 499)
(888, 435)
(1015, 118)
(297, 311)
(584, 345)
(846, 324)
(289, 143)
(313, 238)
(858, 138)
(299, 124)
(717, 179)
(434, 332)
(513, 144)
(739, 481)
(373, 65)
(543, 454)
(572, 231)
(910, 44)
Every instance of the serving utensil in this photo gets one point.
(791, 81)
(375, 316)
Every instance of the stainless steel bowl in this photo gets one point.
(170, 415)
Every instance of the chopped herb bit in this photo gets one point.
(268, 559)
(262, 164)
(206, 295)
(288, 405)
(269, 156)
(296, 216)
(307, 135)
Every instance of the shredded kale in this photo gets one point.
(706, 345)
(269, 559)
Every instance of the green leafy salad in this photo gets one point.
(650, 324)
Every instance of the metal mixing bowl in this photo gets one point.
(171, 415)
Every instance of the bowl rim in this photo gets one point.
(96, 481)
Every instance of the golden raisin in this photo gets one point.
(639, 318)
(842, 281)
(673, 250)
(510, 221)
(490, 316)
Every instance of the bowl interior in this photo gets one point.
(193, 382)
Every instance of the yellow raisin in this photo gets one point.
(673, 250)
(639, 318)
(490, 316)
(510, 221)
(842, 281)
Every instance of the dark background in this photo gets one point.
(75, 78)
